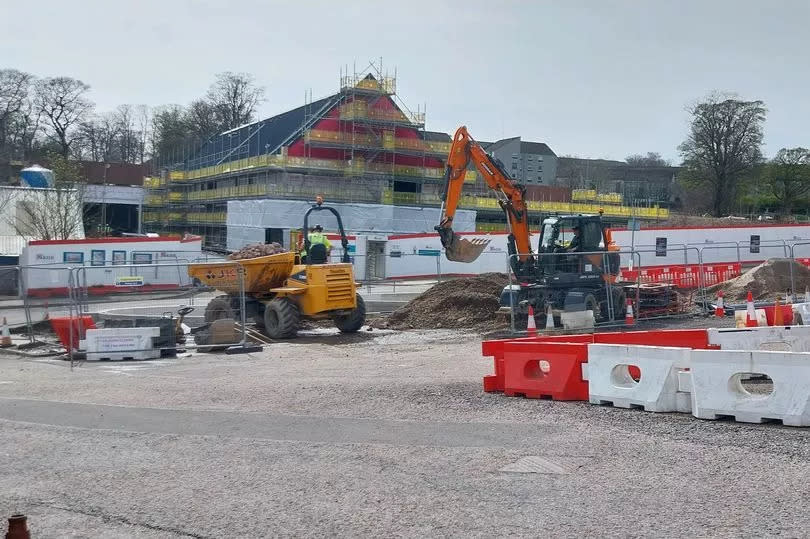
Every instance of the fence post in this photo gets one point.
(242, 302)
(439, 267)
(511, 294)
(792, 277)
(26, 303)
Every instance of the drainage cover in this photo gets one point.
(534, 464)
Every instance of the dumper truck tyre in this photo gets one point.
(281, 318)
(219, 308)
(352, 322)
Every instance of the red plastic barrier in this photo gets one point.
(787, 314)
(495, 348)
(63, 326)
(540, 370)
(685, 338)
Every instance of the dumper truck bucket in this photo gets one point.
(458, 249)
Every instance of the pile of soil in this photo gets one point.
(256, 250)
(459, 303)
(766, 281)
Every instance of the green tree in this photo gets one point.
(723, 145)
(787, 176)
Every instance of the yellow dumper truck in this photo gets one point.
(280, 290)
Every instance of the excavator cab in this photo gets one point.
(571, 234)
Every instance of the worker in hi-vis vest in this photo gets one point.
(316, 236)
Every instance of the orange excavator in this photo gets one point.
(576, 259)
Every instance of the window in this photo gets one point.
(119, 258)
(514, 166)
(754, 244)
(141, 258)
(660, 247)
(97, 257)
(530, 169)
(73, 257)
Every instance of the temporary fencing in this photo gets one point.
(136, 321)
(698, 371)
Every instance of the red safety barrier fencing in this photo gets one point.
(684, 276)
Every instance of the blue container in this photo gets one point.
(36, 176)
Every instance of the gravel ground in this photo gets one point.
(381, 433)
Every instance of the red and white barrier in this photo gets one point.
(664, 371)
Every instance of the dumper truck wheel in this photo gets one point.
(352, 322)
(219, 308)
(281, 319)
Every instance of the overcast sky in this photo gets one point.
(601, 79)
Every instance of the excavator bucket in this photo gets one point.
(458, 249)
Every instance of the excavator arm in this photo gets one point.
(510, 195)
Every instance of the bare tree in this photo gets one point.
(723, 144)
(169, 130)
(143, 117)
(64, 105)
(96, 138)
(235, 97)
(14, 91)
(652, 159)
(53, 213)
(788, 176)
(203, 120)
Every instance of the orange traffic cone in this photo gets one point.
(778, 316)
(750, 312)
(5, 335)
(531, 325)
(719, 309)
(549, 318)
(629, 320)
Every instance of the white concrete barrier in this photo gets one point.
(657, 389)
(717, 389)
(773, 338)
(115, 344)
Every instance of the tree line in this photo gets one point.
(54, 115)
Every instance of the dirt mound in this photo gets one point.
(766, 281)
(256, 250)
(460, 303)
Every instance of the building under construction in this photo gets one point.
(359, 145)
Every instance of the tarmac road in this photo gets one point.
(382, 433)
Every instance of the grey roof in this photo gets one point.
(437, 136)
(535, 148)
(266, 136)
